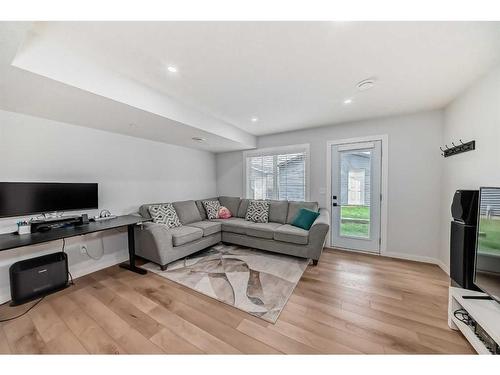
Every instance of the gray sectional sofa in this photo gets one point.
(163, 245)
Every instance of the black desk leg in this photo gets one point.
(131, 252)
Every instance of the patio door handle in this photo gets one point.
(334, 201)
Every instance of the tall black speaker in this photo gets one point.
(462, 245)
(463, 237)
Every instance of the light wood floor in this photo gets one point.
(349, 303)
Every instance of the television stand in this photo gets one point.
(478, 297)
(484, 312)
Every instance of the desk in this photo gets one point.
(12, 241)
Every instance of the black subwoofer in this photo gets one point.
(36, 277)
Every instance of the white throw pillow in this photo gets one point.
(212, 208)
(164, 214)
(258, 211)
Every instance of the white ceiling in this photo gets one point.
(44, 82)
(291, 75)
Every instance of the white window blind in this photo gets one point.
(355, 187)
(277, 174)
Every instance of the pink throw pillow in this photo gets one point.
(224, 213)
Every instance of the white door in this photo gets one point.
(356, 198)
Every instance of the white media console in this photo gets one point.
(485, 312)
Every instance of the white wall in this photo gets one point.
(475, 114)
(414, 175)
(130, 171)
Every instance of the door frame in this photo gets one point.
(384, 138)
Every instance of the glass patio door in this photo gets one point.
(356, 198)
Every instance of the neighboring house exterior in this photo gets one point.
(289, 183)
(285, 175)
(291, 178)
(490, 205)
(355, 179)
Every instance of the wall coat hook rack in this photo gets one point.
(457, 149)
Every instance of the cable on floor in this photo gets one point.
(24, 313)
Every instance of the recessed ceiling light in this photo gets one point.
(348, 101)
(198, 139)
(366, 84)
(172, 69)
(254, 119)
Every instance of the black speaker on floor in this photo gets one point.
(36, 277)
(463, 238)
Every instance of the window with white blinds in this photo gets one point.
(280, 173)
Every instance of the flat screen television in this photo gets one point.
(27, 198)
(487, 265)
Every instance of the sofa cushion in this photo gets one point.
(278, 211)
(294, 207)
(221, 220)
(199, 204)
(258, 211)
(262, 230)
(164, 214)
(187, 212)
(235, 225)
(208, 227)
(212, 208)
(305, 218)
(242, 210)
(289, 233)
(232, 203)
(184, 234)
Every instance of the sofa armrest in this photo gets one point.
(318, 232)
(153, 242)
(323, 218)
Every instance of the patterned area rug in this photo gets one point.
(254, 281)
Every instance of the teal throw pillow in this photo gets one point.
(304, 218)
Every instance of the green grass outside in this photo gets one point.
(349, 226)
(489, 236)
(355, 230)
(355, 212)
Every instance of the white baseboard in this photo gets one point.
(419, 258)
(443, 266)
(108, 260)
(84, 268)
(415, 258)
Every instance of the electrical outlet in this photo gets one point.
(83, 249)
